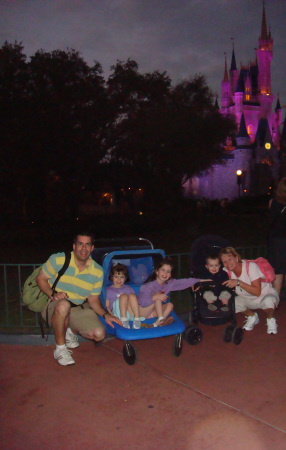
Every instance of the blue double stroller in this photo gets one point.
(139, 256)
(201, 248)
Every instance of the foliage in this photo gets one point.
(64, 130)
(163, 134)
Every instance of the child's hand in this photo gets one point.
(160, 296)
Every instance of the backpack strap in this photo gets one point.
(247, 261)
(60, 274)
(62, 271)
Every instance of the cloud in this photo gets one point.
(183, 37)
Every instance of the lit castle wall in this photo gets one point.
(246, 95)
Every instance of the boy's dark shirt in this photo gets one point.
(218, 279)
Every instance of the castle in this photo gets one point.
(255, 150)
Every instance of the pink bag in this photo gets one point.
(264, 266)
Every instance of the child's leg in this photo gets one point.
(147, 310)
(167, 309)
(224, 297)
(133, 310)
(133, 306)
(123, 305)
(159, 312)
(209, 296)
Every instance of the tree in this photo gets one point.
(54, 111)
(163, 134)
(13, 121)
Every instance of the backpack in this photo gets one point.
(264, 266)
(32, 296)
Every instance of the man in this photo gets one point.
(75, 305)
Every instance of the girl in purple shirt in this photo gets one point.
(153, 296)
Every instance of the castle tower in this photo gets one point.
(225, 89)
(276, 134)
(246, 95)
(233, 74)
(264, 56)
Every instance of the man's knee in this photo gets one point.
(62, 308)
(98, 334)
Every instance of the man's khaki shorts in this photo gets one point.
(82, 318)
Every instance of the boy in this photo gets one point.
(214, 270)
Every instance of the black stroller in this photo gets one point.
(201, 248)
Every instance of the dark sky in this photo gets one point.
(183, 37)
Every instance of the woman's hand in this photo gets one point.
(230, 283)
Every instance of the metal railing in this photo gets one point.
(13, 315)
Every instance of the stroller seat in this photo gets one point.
(140, 264)
(201, 248)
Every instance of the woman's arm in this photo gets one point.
(254, 288)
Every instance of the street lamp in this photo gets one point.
(239, 177)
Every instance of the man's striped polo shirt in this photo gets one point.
(77, 285)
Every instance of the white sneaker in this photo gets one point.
(251, 321)
(136, 324)
(271, 326)
(63, 356)
(125, 323)
(71, 339)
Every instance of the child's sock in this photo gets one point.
(60, 347)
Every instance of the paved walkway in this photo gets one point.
(214, 396)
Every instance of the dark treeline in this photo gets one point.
(67, 133)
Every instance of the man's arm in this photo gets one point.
(43, 283)
(95, 303)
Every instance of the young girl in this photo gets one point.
(153, 296)
(121, 300)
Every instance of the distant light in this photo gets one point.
(238, 172)
(76, 218)
(140, 213)
(268, 146)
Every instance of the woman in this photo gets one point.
(251, 292)
(276, 245)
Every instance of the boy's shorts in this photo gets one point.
(82, 318)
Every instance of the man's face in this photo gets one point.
(83, 248)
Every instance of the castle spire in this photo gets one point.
(225, 79)
(263, 25)
(233, 61)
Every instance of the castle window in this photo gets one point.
(249, 130)
(247, 97)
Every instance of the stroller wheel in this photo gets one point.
(228, 333)
(193, 335)
(129, 353)
(177, 345)
(237, 335)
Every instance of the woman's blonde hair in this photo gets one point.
(281, 191)
(230, 250)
